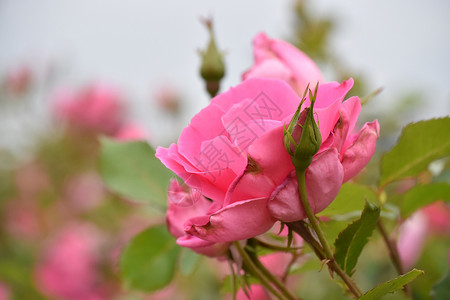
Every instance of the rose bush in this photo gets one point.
(233, 152)
(278, 59)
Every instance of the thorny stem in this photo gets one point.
(393, 253)
(255, 271)
(301, 229)
(326, 248)
(276, 247)
(271, 277)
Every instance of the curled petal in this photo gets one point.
(328, 104)
(323, 180)
(359, 153)
(203, 247)
(238, 221)
(348, 116)
(190, 174)
(184, 204)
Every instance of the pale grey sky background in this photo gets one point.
(141, 44)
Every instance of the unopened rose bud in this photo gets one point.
(212, 69)
(302, 138)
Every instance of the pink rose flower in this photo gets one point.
(412, 236)
(131, 132)
(438, 216)
(31, 180)
(84, 191)
(97, 108)
(278, 59)
(5, 292)
(233, 152)
(21, 219)
(433, 219)
(185, 203)
(69, 267)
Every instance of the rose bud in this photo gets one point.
(212, 69)
(303, 128)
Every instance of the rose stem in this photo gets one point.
(233, 279)
(276, 247)
(253, 269)
(315, 225)
(271, 277)
(301, 229)
(393, 253)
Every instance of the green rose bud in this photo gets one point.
(212, 69)
(302, 138)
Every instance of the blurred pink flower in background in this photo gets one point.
(256, 292)
(18, 80)
(21, 219)
(97, 108)
(31, 179)
(131, 132)
(167, 98)
(433, 219)
(68, 269)
(4, 292)
(278, 59)
(84, 191)
(276, 263)
(438, 216)
(412, 236)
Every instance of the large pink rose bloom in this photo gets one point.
(278, 59)
(233, 152)
(98, 108)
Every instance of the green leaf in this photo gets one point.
(188, 261)
(148, 262)
(441, 290)
(351, 198)
(132, 170)
(333, 228)
(391, 286)
(419, 144)
(420, 196)
(352, 239)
